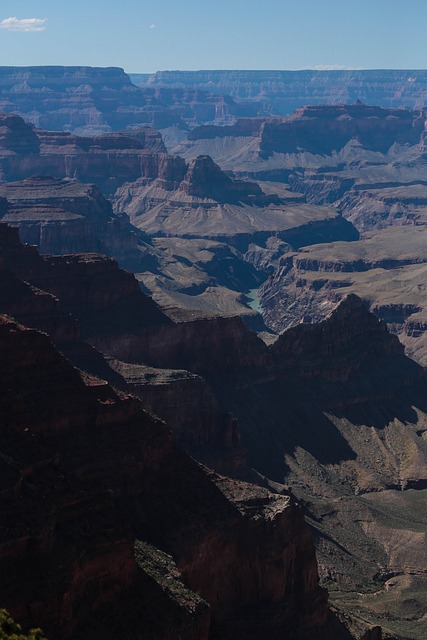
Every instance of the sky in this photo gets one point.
(151, 35)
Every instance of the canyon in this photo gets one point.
(183, 227)
(367, 163)
(281, 92)
(87, 471)
(205, 442)
(98, 100)
(251, 396)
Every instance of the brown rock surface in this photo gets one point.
(85, 473)
(335, 410)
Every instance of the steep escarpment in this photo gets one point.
(107, 160)
(323, 129)
(92, 288)
(68, 554)
(61, 216)
(283, 91)
(311, 130)
(98, 100)
(189, 407)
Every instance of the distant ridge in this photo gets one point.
(283, 91)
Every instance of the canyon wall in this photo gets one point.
(284, 91)
(98, 100)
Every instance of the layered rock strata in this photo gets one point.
(99, 100)
(108, 160)
(284, 91)
(62, 216)
(386, 268)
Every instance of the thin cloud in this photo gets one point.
(23, 24)
(152, 26)
(333, 67)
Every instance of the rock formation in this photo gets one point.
(86, 472)
(318, 130)
(386, 268)
(281, 92)
(323, 410)
(106, 160)
(94, 100)
(63, 216)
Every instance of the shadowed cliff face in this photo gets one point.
(92, 472)
(106, 299)
(85, 471)
(335, 410)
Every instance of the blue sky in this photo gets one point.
(146, 35)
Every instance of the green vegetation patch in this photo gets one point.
(10, 630)
(161, 567)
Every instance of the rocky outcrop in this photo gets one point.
(92, 288)
(340, 343)
(62, 216)
(108, 160)
(204, 179)
(106, 299)
(16, 136)
(186, 403)
(205, 347)
(323, 129)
